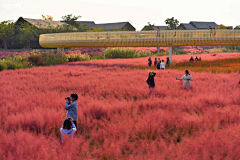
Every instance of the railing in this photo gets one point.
(141, 38)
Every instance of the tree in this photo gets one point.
(221, 26)
(27, 33)
(172, 23)
(71, 20)
(149, 27)
(47, 17)
(237, 27)
(6, 32)
(96, 29)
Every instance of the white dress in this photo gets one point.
(187, 82)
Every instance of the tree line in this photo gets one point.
(25, 35)
(173, 23)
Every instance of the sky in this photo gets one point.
(137, 12)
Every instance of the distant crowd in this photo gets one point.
(196, 59)
(158, 63)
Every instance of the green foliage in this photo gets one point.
(237, 27)
(124, 53)
(71, 20)
(221, 26)
(27, 33)
(149, 27)
(96, 57)
(3, 66)
(77, 57)
(96, 29)
(52, 58)
(40, 59)
(172, 23)
(6, 32)
(14, 62)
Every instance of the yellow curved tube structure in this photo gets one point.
(141, 38)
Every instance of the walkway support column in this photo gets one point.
(170, 55)
(158, 49)
(60, 50)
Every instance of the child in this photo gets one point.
(68, 128)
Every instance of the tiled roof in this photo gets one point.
(111, 26)
(43, 23)
(187, 26)
(203, 25)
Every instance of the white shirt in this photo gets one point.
(187, 82)
(69, 132)
(162, 65)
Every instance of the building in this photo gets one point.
(39, 23)
(197, 25)
(155, 28)
(118, 25)
(203, 25)
(185, 26)
(109, 26)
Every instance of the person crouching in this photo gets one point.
(68, 128)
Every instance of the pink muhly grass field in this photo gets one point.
(118, 117)
(143, 61)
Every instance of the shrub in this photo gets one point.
(144, 53)
(3, 66)
(181, 52)
(77, 57)
(35, 59)
(121, 53)
(51, 58)
(10, 64)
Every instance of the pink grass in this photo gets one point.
(143, 61)
(118, 118)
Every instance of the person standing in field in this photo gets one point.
(187, 78)
(72, 107)
(162, 65)
(68, 128)
(158, 64)
(196, 59)
(155, 62)
(168, 61)
(150, 80)
(149, 62)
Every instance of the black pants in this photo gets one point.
(75, 122)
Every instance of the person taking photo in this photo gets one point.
(68, 128)
(72, 107)
(187, 78)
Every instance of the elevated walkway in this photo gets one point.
(166, 38)
(141, 39)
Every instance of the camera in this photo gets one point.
(67, 98)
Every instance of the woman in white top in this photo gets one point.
(68, 128)
(187, 78)
(162, 65)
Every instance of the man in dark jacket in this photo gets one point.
(149, 62)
